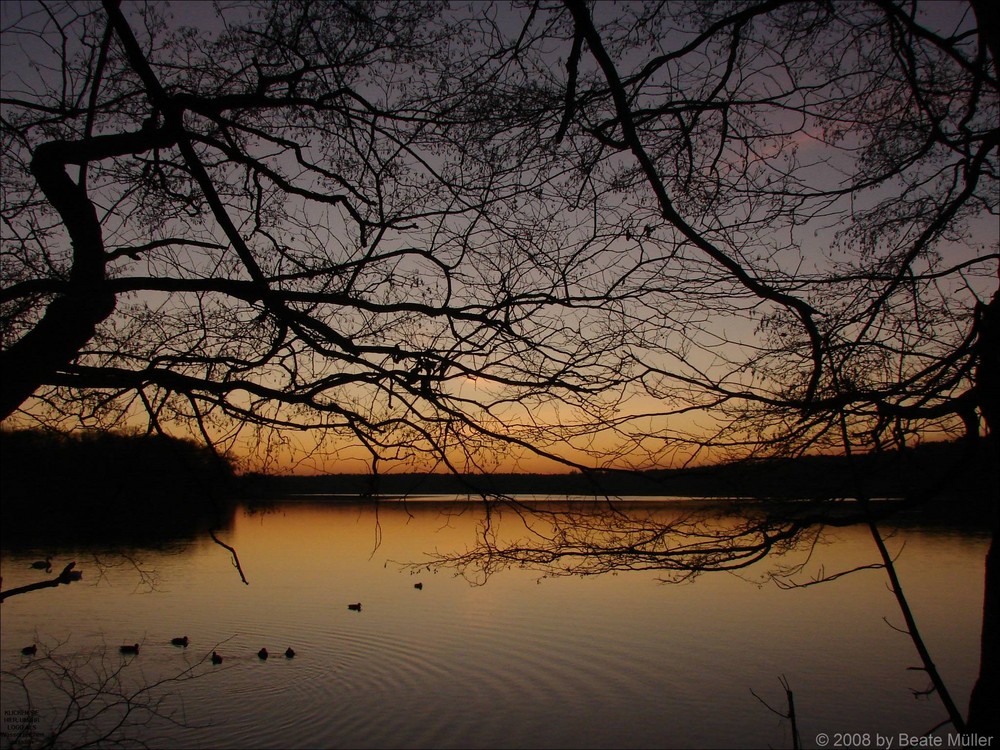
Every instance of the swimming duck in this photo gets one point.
(289, 653)
(133, 649)
(262, 653)
(180, 641)
(418, 585)
(29, 650)
(45, 564)
(216, 659)
(355, 607)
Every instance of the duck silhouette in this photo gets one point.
(289, 653)
(29, 650)
(133, 649)
(355, 607)
(262, 653)
(45, 564)
(180, 641)
(418, 585)
(216, 659)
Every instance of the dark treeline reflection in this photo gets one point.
(96, 489)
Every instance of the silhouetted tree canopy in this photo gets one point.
(445, 231)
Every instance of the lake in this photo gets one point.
(515, 661)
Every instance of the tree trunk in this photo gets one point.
(984, 718)
(71, 318)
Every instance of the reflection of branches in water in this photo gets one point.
(377, 538)
(148, 578)
(679, 540)
(888, 563)
(822, 576)
(95, 699)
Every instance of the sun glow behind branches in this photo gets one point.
(626, 345)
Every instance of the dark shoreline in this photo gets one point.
(952, 470)
(143, 489)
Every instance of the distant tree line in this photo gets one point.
(929, 468)
(49, 472)
(100, 482)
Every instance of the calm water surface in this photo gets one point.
(607, 661)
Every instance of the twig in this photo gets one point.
(791, 709)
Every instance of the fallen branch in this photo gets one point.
(236, 559)
(67, 576)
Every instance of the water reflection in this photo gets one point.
(92, 527)
(523, 661)
(680, 539)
